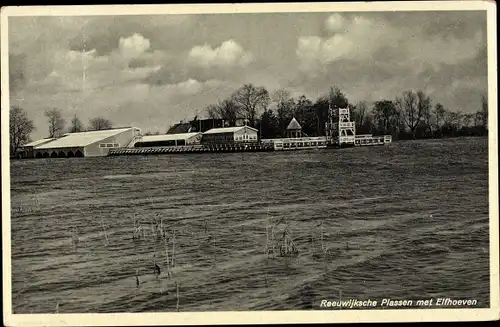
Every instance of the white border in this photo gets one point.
(255, 317)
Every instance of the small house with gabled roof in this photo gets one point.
(294, 130)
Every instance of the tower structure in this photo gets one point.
(340, 130)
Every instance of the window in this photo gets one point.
(109, 145)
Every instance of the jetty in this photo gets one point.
(198, 148)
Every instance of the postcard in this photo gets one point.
(249, 163)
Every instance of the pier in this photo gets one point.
(370, 140)
(198, 148)
(296, 143)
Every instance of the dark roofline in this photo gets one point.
(100, 130)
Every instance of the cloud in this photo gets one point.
(335, 23)
(229, 54)
(203, 63)
(134, 46)
(369, 39)
(104, 33)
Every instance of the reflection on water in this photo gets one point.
(408, 220)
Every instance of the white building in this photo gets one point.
(168, 140)
(243, 134)
(86, 144)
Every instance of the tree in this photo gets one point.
(384, 114)
(427, 118)
(251, 100)
(284, 109)
(337, 98)
(56, 122)
(76, 125)
(412, 106)
(20, 128)
(226, 109)
(484, 111)
(467, 119)
(358, 113)
(305, 114)
(99, 123)
(268, 124)
(439, 113)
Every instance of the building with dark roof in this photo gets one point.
(181, 128)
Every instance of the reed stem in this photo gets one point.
(173, 249)
(106, 240)
(168, 261)
(177, 292)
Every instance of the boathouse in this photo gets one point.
(294, 130)
(86, 144)
(27, 150)
(240, 134)
(168, 140)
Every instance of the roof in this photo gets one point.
(167, 137)
(228, 130)
(39, 142)
(294, 124)
(82, 138)
(180, 128)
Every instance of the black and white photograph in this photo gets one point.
(257, 163)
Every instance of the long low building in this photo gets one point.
(168, 140)
(244, 134)
(86, 144)
(26, 151)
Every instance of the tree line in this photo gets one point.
(21, 127)
(411, 115)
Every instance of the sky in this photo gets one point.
(153, 71)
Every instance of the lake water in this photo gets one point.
(403, 221)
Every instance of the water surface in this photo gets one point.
(404, 221)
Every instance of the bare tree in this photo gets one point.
(453, 119)
(467, 119)
(214, 111)
(99, 123)
(484, 111)
(337, 98)
(280, 96)
(20, 128)
(76, 125)
(226, 110)
(56, 122)
(251, 100)
(384, 112)
(358, 113)
(412, 107)
(284, 108)
(427, 118)
(439, 113)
